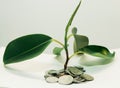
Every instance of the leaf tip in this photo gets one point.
(113, 54)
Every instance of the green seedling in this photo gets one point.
(29, 46)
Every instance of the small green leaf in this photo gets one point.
(25, 48)
(74, 30)
(70, 22)
(98, 51)
(57, 50)
(73, 15)
(80, 42)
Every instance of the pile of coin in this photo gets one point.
(69, 76)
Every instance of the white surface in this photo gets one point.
(98, 19)
(29, 74)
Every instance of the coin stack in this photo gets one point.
(70, 75)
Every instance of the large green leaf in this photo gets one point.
(25, 48)
(98, 51)
(80, 41)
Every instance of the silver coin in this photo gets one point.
(52, 72)
(80, 68)
(78, 79)
(51, 79)
(61, 70)
(75, 71)
(87, 77)
(65, 79)
(46, 76)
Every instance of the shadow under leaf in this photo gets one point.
(87, 60)
(60, 59)
(22, 73)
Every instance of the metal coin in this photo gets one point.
(78, 79)
(80, 68)
(53, 72)
(87, 77)
(66, 79)
(75, 71)
(51, 79)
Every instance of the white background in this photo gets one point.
(97, 19)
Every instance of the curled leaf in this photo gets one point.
(25, 48)
(98, 51)
(80, 41)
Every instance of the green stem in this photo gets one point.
(58, 42)
(67, 59)
(69, 36)
(66, 51)
(70, 22)
(66, 34)
(79, 52)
